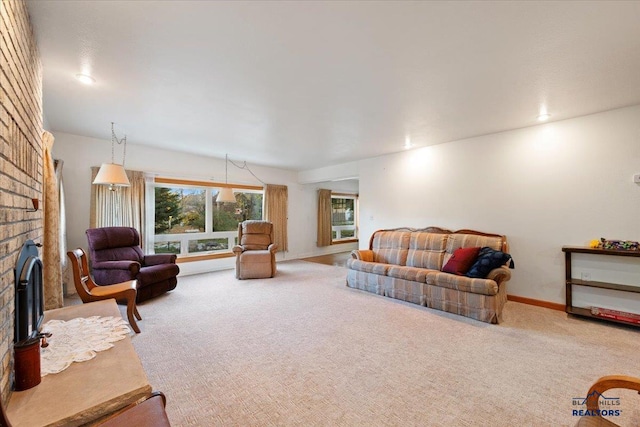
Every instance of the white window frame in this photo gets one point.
(184, 238)
(338, 229)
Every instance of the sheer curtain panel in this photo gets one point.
(67, 275)
(121, 207)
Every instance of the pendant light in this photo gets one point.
(113, 174)
(225, 195)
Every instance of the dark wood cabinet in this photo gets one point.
(571, 281)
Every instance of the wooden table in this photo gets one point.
(87, 391)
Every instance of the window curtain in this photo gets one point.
(324, 218)
(275, 210)
(52, 273)
(67, 275)
(123, 207)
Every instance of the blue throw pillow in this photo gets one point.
(487, 260)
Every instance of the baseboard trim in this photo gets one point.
(536, 302)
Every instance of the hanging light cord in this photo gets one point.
(245, 167)
(114, 138)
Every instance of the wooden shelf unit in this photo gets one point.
(571, 281)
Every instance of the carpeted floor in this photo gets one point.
(302, 349)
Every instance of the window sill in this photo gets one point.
(337, 242)
(192, 258)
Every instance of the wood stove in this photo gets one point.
(29, 310)
(29, 294)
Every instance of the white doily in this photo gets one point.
(78, 340)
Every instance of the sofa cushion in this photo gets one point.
(463, 240)
(256, 264)
(112, 237)
(255, 241)
(256, 227)
(487, 260)
(368, 267)
(463, 283)
(426, 250)
(409, 273)
(461, 260)
(391, 247)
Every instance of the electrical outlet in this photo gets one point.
(585, 276)
(636, 178)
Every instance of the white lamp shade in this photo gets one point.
(226, 196)
(113, 175)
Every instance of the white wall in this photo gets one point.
(80, 153)
(556, 184)
(341, 172)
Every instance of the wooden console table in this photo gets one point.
(570, 281)
(86, 391)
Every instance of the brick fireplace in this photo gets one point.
(21, 161)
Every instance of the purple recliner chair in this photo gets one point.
(116, 257)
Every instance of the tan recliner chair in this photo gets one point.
(256, 252)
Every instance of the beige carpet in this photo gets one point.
(302, 349)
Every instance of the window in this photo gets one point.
(188, 220)
(344, 224)
(226, 216)
(179, 210)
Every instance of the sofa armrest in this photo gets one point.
(160, 259)
(362, 255)
(132, 266)
(500, 275)
(238, 249)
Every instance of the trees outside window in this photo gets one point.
(189, 220)
(179, 210)
(227, 216)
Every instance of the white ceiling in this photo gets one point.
(301, 85)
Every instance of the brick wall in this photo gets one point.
(20, 160)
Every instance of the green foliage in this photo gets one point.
(226, 216)
(194, 211)
(168, 209)
(224, 220)
(194, 220)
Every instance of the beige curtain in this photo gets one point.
(275, 210)
(121, 207)
(324, 218)
(52, 273)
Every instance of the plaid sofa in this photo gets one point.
(406, 264)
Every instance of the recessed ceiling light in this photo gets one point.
(407, 143)
(543, 113)
(86, 79)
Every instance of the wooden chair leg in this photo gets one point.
(136, 313)
(131, 309)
